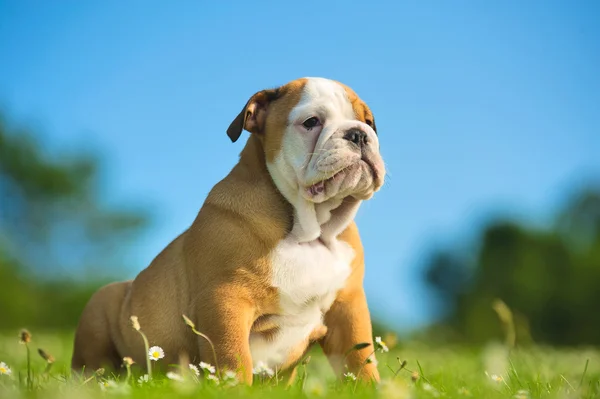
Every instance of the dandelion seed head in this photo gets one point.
(24, 337)
(414, 376)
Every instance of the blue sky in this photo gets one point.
(481, 107)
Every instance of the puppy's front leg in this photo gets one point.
(226, 319)
(348, 324)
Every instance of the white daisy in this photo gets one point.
(4, 369)
(194, 370)
(262, 369)
(143, 379)
(155, 353)
(381, 345)
(174, 376)
(350, 376)
(230, 377)
(497, 378)
(213, 378)
(371, 359)
(207, 367)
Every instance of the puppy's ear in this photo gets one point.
(254, 115)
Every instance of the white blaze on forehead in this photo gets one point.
(324, 98)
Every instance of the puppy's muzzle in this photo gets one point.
(357, 136)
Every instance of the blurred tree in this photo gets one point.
(549, 278)
(53, 226)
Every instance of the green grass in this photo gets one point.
(445, 371)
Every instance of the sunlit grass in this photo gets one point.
(413, 370)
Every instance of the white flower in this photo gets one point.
(4, 369)
(230, 377)
(207, 367)
(262, 369)
(372, 359)
(143, 379)
(497, 378)
(213, 378)
(174, 376)
(194, 370)
(381, 345)
(155, 353)
(350, 376)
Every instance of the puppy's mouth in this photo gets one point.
(319, 187)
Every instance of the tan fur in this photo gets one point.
(218, 273)
(361, 109)
(348, 319)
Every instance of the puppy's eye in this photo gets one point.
(369, 122)
(311, 122)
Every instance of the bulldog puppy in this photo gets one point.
(273, 261)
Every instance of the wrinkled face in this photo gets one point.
(329, 148)
(319, 140)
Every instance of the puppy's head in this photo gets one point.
(319, 138)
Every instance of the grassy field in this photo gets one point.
(448, 371)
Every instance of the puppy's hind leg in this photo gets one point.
(93, 347)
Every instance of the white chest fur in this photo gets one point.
(307, 276)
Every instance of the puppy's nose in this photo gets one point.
(356, 136)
